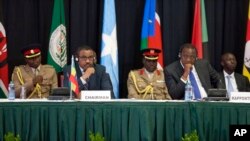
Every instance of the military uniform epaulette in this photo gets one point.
(141, 71)
(21, 67)
(158, 72)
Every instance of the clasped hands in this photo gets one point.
(89, 71)
(38, 80)
(187, 69)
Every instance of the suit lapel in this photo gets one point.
(223, 79)
(179, 70)
(42, 70)
(78, 71)
(238, 82)
(157, 76)
(199, 73)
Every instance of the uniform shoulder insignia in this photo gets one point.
(158, 72)
(138, 71)
(141, 71)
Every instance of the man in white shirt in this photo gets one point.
(233, 81)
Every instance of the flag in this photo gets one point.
(109, 48)
(73, 78)
(246, 65)
(200, 36)
(57, 56)
(151, 29)
(3, 60)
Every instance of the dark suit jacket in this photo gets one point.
(208, 76)
(242, 82)
(100, 80)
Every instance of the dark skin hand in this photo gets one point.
(188, 57)
(88, 73)
(86, 61)
(38, 79)
(187, 69)
(34, 63)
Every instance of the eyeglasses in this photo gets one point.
(185, 56)
(85, 58)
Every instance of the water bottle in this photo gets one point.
(188, 91)
(23, 93)
(11, 95)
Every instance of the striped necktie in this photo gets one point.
(86, 85)
(196, 90)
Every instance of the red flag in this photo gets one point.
(197, 29)
(3, 63)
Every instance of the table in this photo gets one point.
(120, 120)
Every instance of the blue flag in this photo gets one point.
(109, 49)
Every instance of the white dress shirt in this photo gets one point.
(232, 79)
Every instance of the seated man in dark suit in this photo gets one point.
(90, 76)
(199, 72)
(233, 81)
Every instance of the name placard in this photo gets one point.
(91, 95)
(240, 97)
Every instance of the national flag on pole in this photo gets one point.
(151, 29)
(200, 37)
(3, 59)
(57, 56)
(73, 78)
(109, 48)
(246, 66)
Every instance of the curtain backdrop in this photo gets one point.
(29, 21)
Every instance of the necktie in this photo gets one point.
(36, 72)
(86, 85)
(229, 85)
(196, 90)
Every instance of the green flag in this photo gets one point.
(200, 35)
(57, 56)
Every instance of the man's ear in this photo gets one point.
(222, 63)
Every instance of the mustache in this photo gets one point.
(88, 65)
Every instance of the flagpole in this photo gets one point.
(72, 63)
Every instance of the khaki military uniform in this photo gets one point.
(154, 88)
(49, 80)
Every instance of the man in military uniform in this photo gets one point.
(148, 82)
(37, 79)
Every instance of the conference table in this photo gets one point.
(120, 120)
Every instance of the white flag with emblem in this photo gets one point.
(57, 54)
